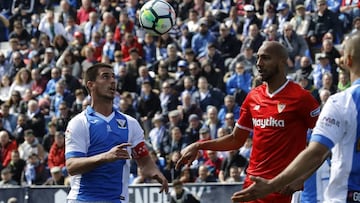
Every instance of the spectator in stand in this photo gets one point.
(193, 130)
(13, 107)
(71, 28)
(5, 89)
(17, 166)
(71, 82)
(83, 14)
(157, 133)
(79, 99)
(61, 95)
(57, 178)
(16, 63)
(175, 119)
(7, 146)
(344, 81)
(180, 194)
(169, 170)
(175, 141)
(8, 117)
(248, 58)
(149, 48)
(239, 81)
(328, 83)
(213, 163)
(187, 107)
(50, 86)
(214, 59)
(21, 126)
(50, 27)
(185, 38)
(36, 119)
(56, 156)
(20, 33)
(228, 43)
(235, 175)
(323, 21)
(206, 95)
(329, 49)
(30, 146)
(35, 172)
(254, 38)
(6, 178)
(212, 122)
(229, 106)
(301, 21)
(49, 137)
(66, 11)
(305, 69)
(233, 159)
(130, 42)
(91, 26)
(233, 21)
(245, 150)
(248, 19)
(109, 48)
(295, 45)
(148, 105)
(204, 176)
(355, 25)
(60, 44)
(34, 26)
(88, 53)
(125, 26)
(284, 16)
(213, 24)
(63, 118)
(269, 17)
(162, 76)
(67, 59)
(38, 82)
(201, 39)
(322, 67)
(168, 98)
(108, 23)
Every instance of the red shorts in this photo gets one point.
(271, 198)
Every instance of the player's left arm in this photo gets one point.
(147, 166)
(140, 154)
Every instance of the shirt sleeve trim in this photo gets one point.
(74, 154)
(243, 127)
(323, 140)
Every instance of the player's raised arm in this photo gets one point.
(228, 142)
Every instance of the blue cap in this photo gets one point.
(282, 6)
(182, 63)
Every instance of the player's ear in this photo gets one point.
(90, 85)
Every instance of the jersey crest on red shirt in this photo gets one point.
(281, 107)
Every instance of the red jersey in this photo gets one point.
(279, 122)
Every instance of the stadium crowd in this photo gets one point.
(184, 86)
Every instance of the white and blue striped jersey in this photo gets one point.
(338, 128)
(90, 133)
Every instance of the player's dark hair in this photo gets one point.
(92, 72)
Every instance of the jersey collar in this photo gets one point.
(276, 91)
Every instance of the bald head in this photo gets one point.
(277, 48)
(352, 48)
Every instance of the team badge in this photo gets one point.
(281, 107)
(121, 123)
(257, 107)
(109, 128)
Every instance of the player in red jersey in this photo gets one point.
(279, 113)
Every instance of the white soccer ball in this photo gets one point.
(157, 17)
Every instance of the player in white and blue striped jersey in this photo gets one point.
(99, 142)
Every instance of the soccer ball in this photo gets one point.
(157, 17)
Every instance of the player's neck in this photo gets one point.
(354, 76)
(103, 108)
(275, 84)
